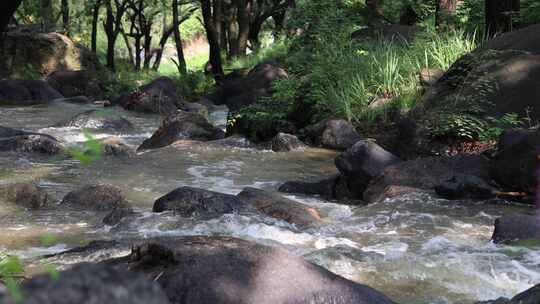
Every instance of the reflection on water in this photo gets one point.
(415, 248)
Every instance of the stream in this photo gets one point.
(414, 248)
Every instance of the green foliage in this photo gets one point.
(470, 127)
(10, 268)
(90, 152)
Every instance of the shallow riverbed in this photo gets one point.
(415, 248)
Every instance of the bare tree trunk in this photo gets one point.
(147, 48)
(113, 25)
(244, 13)
(65, 16)
(500, 16)
(445, 12)
(128, 47)
(167, 32)
(46, 14)
(181, 63)
(95, 18)
(213, 38)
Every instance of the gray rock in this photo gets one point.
(96, 198)
(99, 120)
(279, 207)
(28, 142)
(159, 96)
(335, 134)
(26, 195)
(513, 228)
(465, 187)
(91, 284)
(287, 142)
(363, 162)
(188, 202)
(182, 125)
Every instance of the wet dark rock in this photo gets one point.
(516, 167)
(194, 202)
(323, 186)
(114, 146)
(363, 162)
(394, 32)
(90, 284)
(256, 131)
(26, 195)
(182, 125)
(510, 137)
(96, 198)
(196, 108)
(223, 270)
(99, 120)
(159, 96)
(529, 296)
(22, 141)
(287, 142)
(115, 216)
(77, 83)
(335, 134)
(280, 207)
(239, 91)
(465, 187)
(235, 141)
(514, 228)
(523, 39)
(75, 99)
(26, 92)
(426, 173)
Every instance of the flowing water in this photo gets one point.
(414, 248)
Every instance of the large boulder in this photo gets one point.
(99, 120)
(424, 174)
(524, 39)
(182, 125)
(324, 186)
(44, 53)
(280, 207)
(96, 198)
(474, 94)
(287, 142)
(223, 270)
(22, 141)
(237, 92)
(336, 134)
(26, 92)
(26, 195)
(465, 187)
(516, 166)
(91, 284)
(159, 96)
(77, 83)
(361, 163)
(194, 202)
(513, 228)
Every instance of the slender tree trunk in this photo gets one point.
(181, 63)
(111, 36)
(95, 19)
(128, 47)
(244, 13)
(445, 12)
(213, 39)
(65, 16)
(218, 19)
(167, 32)
(46, 14)
(500, 16)
(148, 54)
(254, 33)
